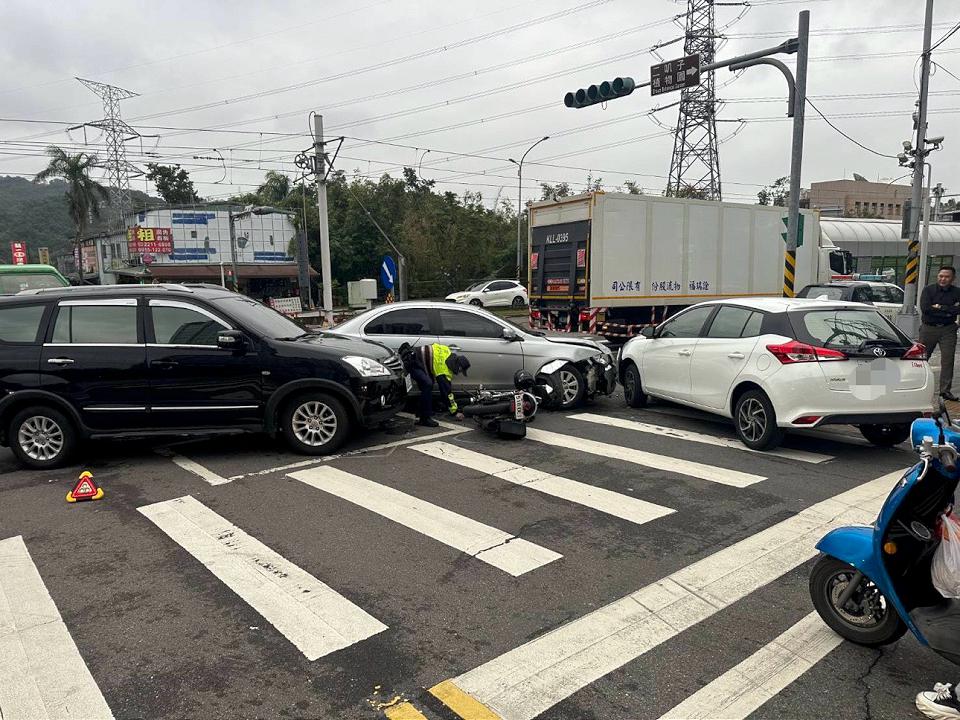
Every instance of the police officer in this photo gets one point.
(939, 307)
(434, 362)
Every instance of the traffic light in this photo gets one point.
(786, 222)
(607, 90)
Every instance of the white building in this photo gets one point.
(193, 245)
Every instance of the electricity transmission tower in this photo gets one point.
(117, 132)
(695, 165)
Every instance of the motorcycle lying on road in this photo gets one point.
(872, 584)
(507, 413)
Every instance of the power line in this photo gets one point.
(853, 140)
(945, 37)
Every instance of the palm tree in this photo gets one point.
(276, 186)
(84, 194)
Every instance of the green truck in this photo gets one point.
(14, 278)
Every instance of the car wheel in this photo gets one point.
(476, 302)
(519, 302)
(632, 389)
(886, 435)
(42, 438)
(572, 386)
(756, 421)
(315, 424)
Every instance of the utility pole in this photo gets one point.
(908, 320)
(233, 250)
(320, 171)
(520, 198)
(796, 155)
(927, 214)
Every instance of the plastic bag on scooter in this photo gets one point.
(945, 568)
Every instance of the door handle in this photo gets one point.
(685, 353)
(736, 355)
(60, 361)
(164, 363)
(453, 347)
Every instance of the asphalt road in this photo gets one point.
(687, 583)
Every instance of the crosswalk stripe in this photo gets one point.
(202, 472)
(403, 711)
(734, 478)
(311, 615)
(743, 689)
(495, 547)
(42, 674)
(607, 501)
(531, 678)
(690, 436)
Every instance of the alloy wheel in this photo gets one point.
(569, 385)
(752, 419)
(40, 438)
(314, 423)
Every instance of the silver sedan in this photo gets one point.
(577, 367)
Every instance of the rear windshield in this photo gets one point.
(815, 291)
(15, 282)
(842, 328)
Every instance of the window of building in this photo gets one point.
(857, 206)
(897, 206)
(193, 234)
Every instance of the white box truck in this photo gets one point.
(611, 263)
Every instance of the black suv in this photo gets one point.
(115, 361)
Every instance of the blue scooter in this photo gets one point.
(872, 584)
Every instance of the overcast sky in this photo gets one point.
(431, 75)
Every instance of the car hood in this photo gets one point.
(581, 342)
(342, 345)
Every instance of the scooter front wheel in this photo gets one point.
(867, 618)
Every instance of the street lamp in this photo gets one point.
(421, 162)
(520, 193)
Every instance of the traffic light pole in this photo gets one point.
(233, 250)
(321, 175)
(908, 320)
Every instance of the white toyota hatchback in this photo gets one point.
(773, 364)
(492, 293)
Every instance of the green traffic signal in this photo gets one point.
(607, 90)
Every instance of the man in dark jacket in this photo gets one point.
(939, 308)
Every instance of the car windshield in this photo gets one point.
(476, 286)
(15, 282)
(847, 329)
(259, 318)
(816, 291)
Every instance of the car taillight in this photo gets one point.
(535, 314)
(917, 351)
(798, 352)
(807, 420)
(584, 316)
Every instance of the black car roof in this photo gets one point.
(200, 290)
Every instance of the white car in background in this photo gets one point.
(773, 364)
(492, 293)
(886, 297)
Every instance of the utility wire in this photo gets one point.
(945, 37)
(853, 140)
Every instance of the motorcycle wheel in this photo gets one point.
(867, 618)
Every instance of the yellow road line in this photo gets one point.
(403, 711)
(464, 705)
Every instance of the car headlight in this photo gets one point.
(366, 366)
(603, 359)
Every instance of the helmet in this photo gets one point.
(523, 380)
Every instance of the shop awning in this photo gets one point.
(201, 272)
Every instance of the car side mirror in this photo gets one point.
(510, 335)
(649, 332)
(230, 340)
(486, 289)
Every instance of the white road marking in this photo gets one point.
(607, 501)
(734, 478)
(364, 451)
(42, 674)
(199, 470)
(690, 436)
(311, 615)
(744, 688)
(530, 679)
(496, 547)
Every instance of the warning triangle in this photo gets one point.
(84, 489)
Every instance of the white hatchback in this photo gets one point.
(773, 364)
(493, 293)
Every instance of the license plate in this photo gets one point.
(518, 406)
(408, 382)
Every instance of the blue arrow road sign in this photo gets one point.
(388, 272)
